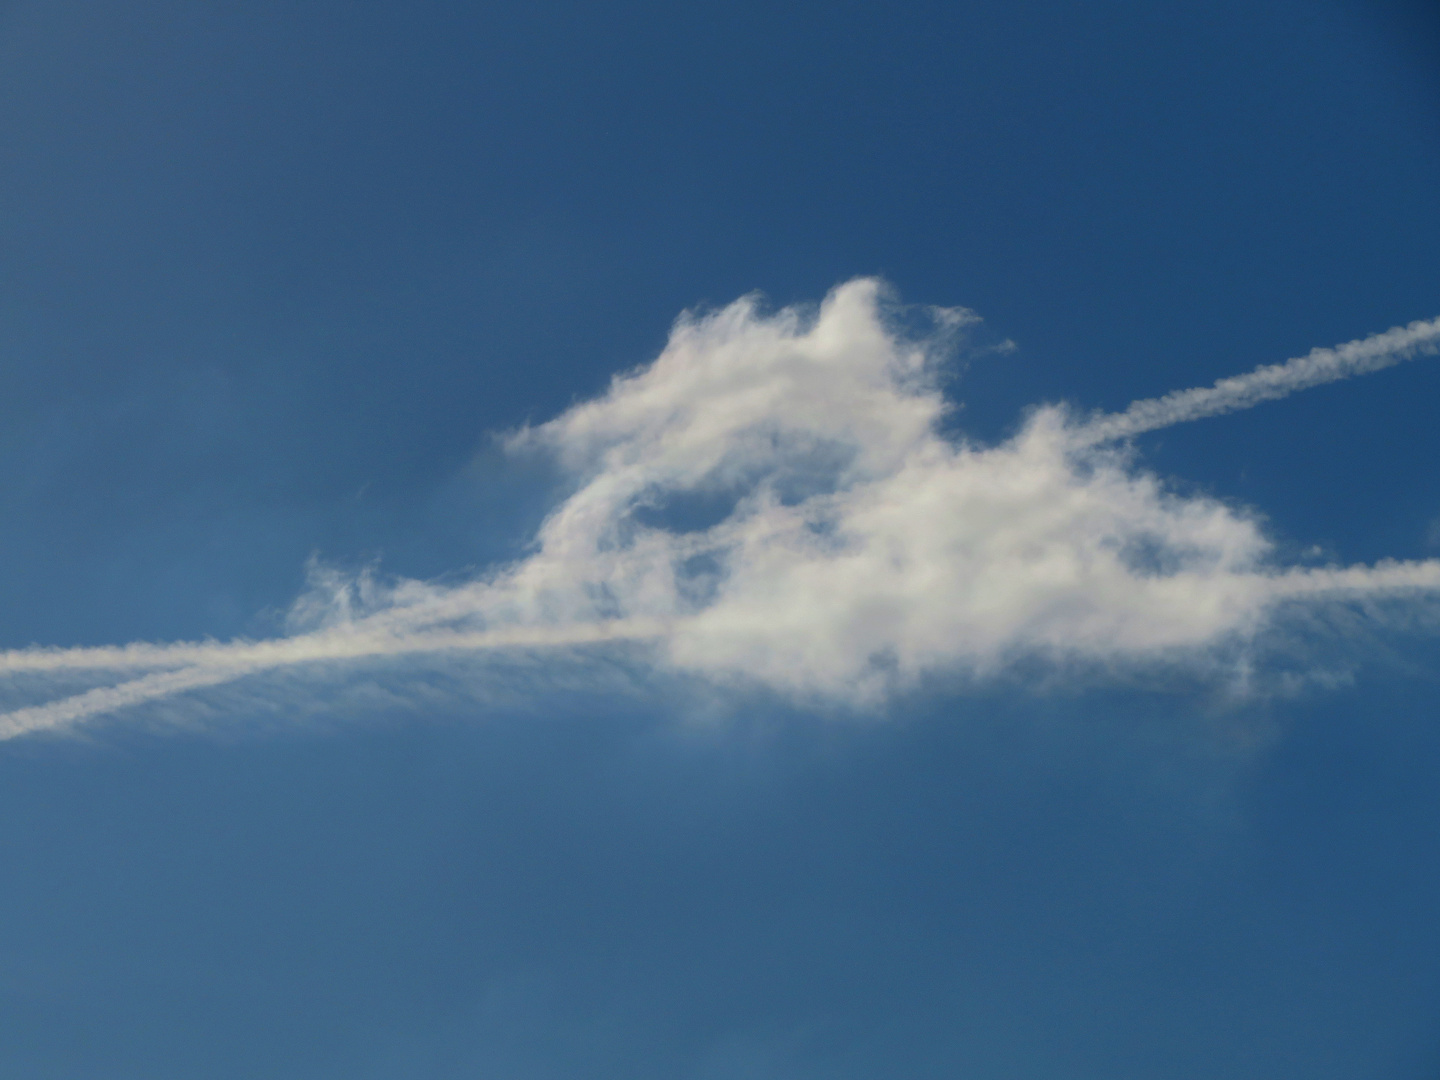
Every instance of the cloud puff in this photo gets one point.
(773, 501)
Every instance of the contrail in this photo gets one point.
(194, 666)
(105, 699)
(1388, 576)
(1265, 383)
(354, 641)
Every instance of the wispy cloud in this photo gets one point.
(772, 501)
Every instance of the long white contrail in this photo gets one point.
(195, 666)
(1265, 383)
(55, 714)
(189, 666)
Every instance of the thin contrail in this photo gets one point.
(54, 714)
(1265, 383)
(1387, 576)
(194, 666)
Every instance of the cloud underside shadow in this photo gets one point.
(772, 502)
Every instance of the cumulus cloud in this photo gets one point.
(773, 501)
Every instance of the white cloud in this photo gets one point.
(772, 501)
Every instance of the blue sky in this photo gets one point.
(830, 696)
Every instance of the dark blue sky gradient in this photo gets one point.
(271, 275)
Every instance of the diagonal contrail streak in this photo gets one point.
(189, 666)
(1265, 383)
(193, 667)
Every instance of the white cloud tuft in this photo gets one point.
(772, 500)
